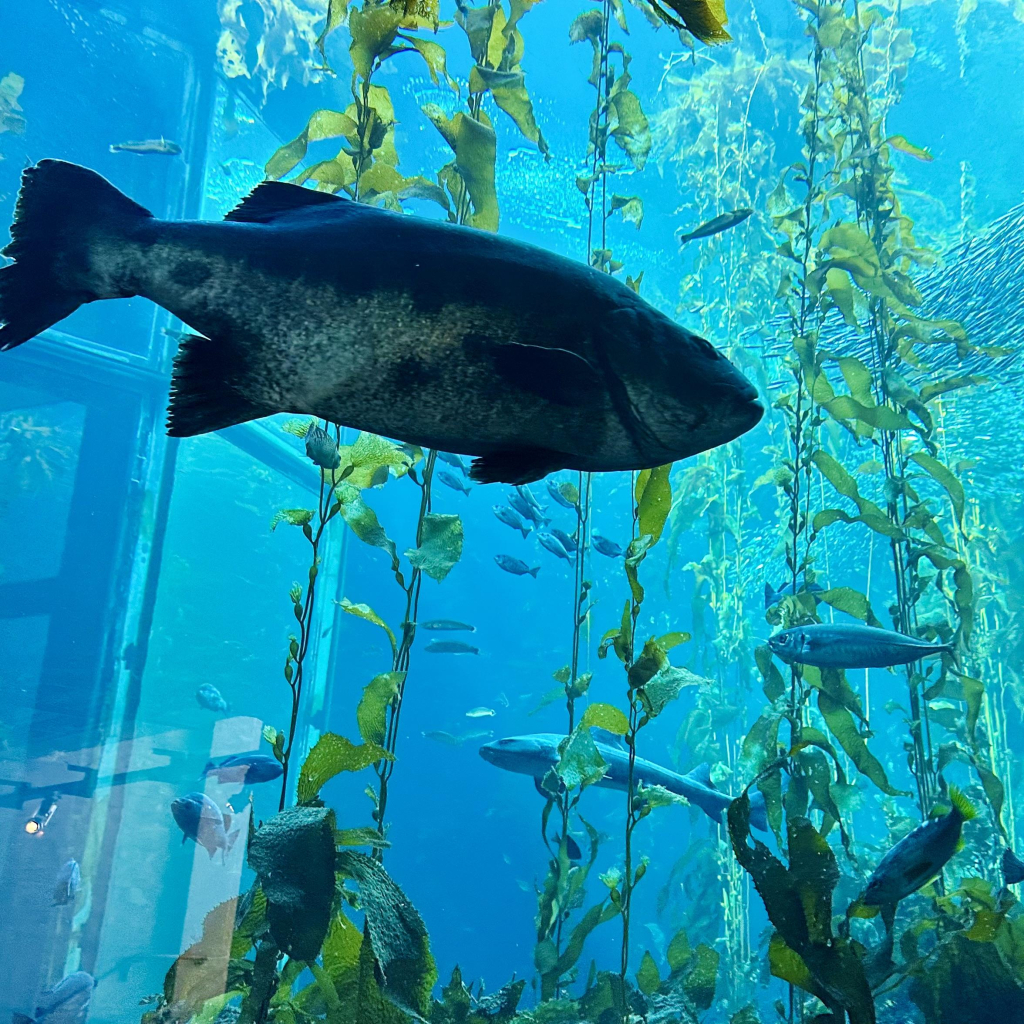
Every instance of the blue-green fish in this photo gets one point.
(606, 547)
(850, 645)
(456, 483)
(510, 517)
(516, 566)
(917, 858)
(773, 596)
(554, 545)
(412, 328)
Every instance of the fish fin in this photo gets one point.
(273, 199)
(516, 466)
(205, 394)
(555, 374)
(759, 812)
(961, 804)
(537, 785)
(572, 848)
(211, 852)
(770, 596)
(184, 839)
(231, 841)
(533, 572)
(702, 775)
(206, 771)
(609, 739)
(61, 208)
(22, 1018)
(227, 821)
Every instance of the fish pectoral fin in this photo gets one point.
(273, 199)
(205, 389)
(554, 374)
(702, 775)
(516, 466)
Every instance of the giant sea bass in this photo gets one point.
(417, 329)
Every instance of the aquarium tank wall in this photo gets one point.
(308, 716)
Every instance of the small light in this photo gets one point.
(36, 825)
(32, 826)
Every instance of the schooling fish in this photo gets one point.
(66, 1003)
(773, 596)
(249, 768)
(850, 645)
(447, 626)
(510, 517)
(716, 225)
(526, 510)
(481, 713)
(536, 754)
(450, 647)
(69, 881)
(558, 495)
(209, 697)
(516, 566)
(453, 460)
(567, 541)
(456, 483)
(554, 545)
(920, 856)
(1013, 867)
(147, 147)
(606, 547)
(527, 495)
(310, 303)
(321, 448)
(202, 821)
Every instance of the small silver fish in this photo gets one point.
(450, 647)
(69, 881)
(447, 626)
(716, 225)
(850, 645)
(510, 517)
(456, 483)
(321, 448)
(148, 147)
(554, 545)
(481, 713)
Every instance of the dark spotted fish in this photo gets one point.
(322, 449)
(415, 329)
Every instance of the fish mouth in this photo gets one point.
(489, 752)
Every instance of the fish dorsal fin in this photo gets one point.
(272, 199)
(702, 775)
(609, 739)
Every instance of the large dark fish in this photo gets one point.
(66, 1003)
(850, 645)
(248, 768)
(415, 329)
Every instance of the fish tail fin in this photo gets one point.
(961, 804)
(524, 531)
(759, 812)
(533, 572)
(770, 596)
(62, 209)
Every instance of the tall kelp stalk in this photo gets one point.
(724, 165)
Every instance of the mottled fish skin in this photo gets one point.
(510, 517)
(69, 881)
(536, 754)
(606, 547)
(915, 860)
(516, 566)
(497, 348)
(850, 645)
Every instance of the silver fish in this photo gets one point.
(453, 460)
(516, 566)
(321, 448)
(69, 881)
(510, 517)
(541, 365)
(527, 495)
(446, 626)
(450, 647)
(567, 541)
(456, 483)
(481, 713)
(716, 225)
(917, 858)
(850, 645)
(526, 510)
(554, 545)
(773, 596)
(148, 147)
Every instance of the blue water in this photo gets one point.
(134, 568)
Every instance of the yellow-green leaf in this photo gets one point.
(365, 612)
(371, 713)
(607, 717)
(332, 755)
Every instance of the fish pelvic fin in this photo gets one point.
(516, 466)
(207, 389)
(62, 209)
